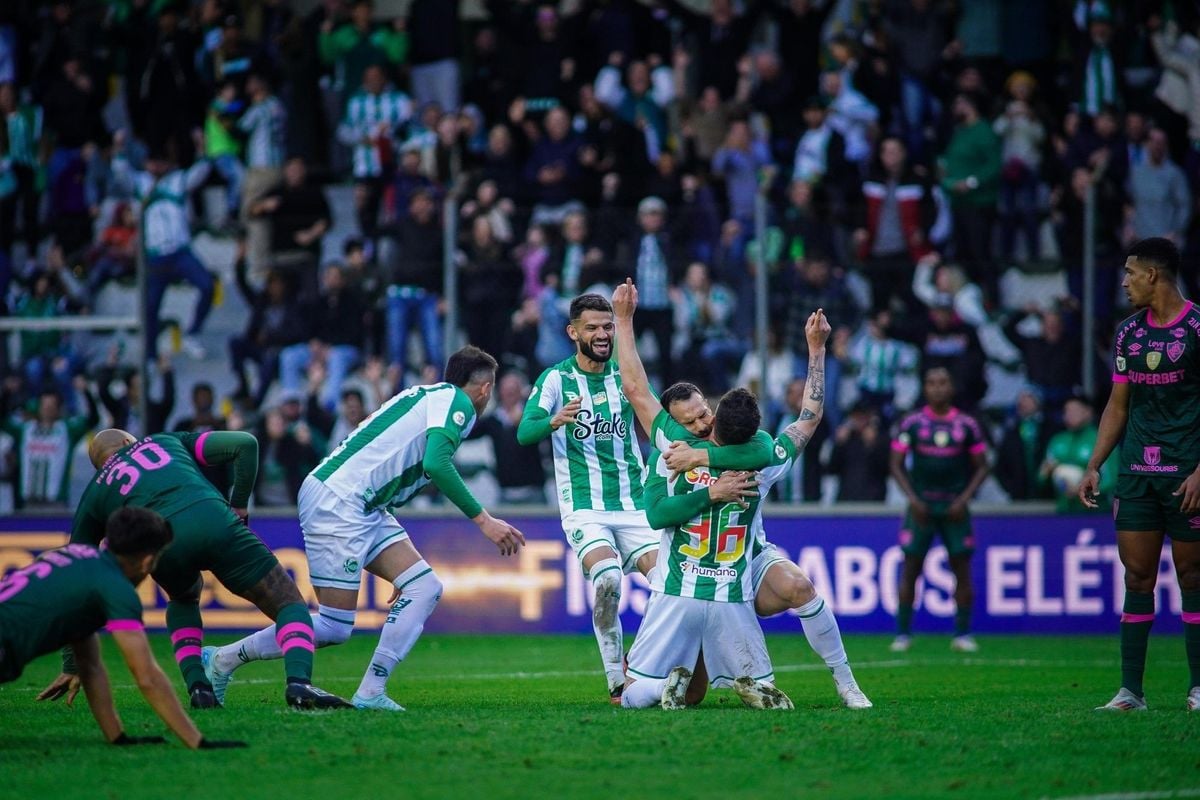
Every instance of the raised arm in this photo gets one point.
(816, 331)
(634, 382)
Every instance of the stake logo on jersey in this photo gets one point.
(1159, 363)
(597, 461)
(710, 556)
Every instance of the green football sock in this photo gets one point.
(1191, 634)
(295, 637)
(904, 615)
(1136, 621)
(187, 636)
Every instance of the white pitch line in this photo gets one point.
(1161, 795)
(898, 663)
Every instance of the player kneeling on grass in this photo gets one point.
(702, 593)
(680, 424)
(348, 527)
(66, 595)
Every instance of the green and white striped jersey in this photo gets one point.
(597, 463)
(380, 464)
(710, 556)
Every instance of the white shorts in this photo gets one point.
(675, 629)
(763, 560)
(340, 539)
(626, 532)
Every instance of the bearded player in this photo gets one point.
(581, 406)
(682, 418)
(1153, 413)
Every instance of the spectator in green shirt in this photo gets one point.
(971, 178)
(357, 44)
(1067, 457)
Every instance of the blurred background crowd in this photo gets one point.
(297, 177)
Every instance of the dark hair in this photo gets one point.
(737, 417)
(352, 392)
(467, 364)
(589, 302)
(351, 245)
(133, 531)
(677, 393)
(949, 375)
(202, 386)
(1157, 252)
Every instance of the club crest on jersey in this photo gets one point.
(700, 476)
(1175, 351)
(589, 423)
(1153, 359)
(941, 438)
(1152, 455)
(1120, 363)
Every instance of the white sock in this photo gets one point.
(606, 619)
(420, 590)
(643, 693)
(821, 630)
(258, 646)
(332, 625)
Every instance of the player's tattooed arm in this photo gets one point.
(816, 331)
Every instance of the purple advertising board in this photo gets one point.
(1032, 574)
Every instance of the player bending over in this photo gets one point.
(348, 526)
(162, 473)
(684, 417)
(68, 594)
(581, 404)
(1153, 414)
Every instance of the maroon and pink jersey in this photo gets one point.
(1160, 361)
(941, 447)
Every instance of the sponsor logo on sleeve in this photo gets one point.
(780, 451)
(1120, 363)
(460, 418)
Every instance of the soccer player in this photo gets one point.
(580, 403)
(949, 463)
(702, 594)
(66, 595)
(680, 418)
(1153, 413)
(348, 526)
(162, 473)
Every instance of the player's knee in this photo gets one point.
(1189, 577)
(427, 588)
(333, 625)
(1142, 580)
(799, 591)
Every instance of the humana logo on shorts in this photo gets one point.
(688, 568)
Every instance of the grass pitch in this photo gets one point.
(519, 717)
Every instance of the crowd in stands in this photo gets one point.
(903, 164)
